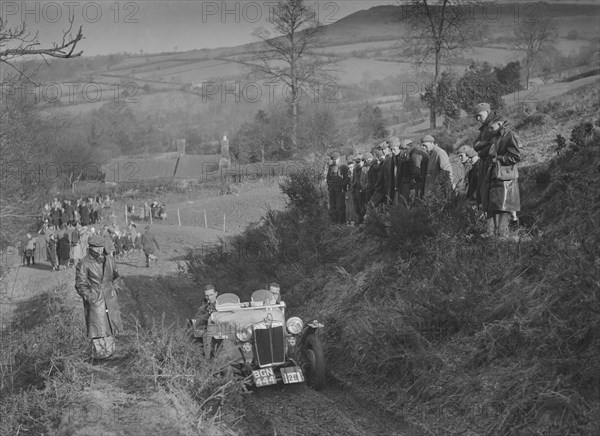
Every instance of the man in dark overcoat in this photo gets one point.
(95, 278)
(502, 196)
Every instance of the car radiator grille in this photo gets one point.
(269, 345)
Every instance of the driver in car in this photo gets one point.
(200, 321)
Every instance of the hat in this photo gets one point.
(427, 138)
(495, 119)
(481, 107)
(383, 145)
(96, 241)
(394, 141)
(334, 155)
(469, 151)
(378, 153)
(405, 143)
(367, 155)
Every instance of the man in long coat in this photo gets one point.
(485, 115)
(150, 245)
(335, 182)
(95, 282)
(502, 196)
(439, 179)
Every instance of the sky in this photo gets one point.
(157, 26)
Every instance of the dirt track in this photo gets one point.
(162, 292)
(277, 410)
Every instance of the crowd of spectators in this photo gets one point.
(67, 225)
(398, 171)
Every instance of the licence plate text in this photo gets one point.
(264, 377)
(292, 374)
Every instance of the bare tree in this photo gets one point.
(435, 31)
(23, 132)
(290, 57)
(16, 42)
(532, 37)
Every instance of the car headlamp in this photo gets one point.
(244, 334)
(294, 325)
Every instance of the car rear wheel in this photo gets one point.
(314, 362)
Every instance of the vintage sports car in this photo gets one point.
(267, 348)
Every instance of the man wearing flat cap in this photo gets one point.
(335, 189)
(483, 113)
(469, 158)
(439, 178)
(95, 278)
(388, 170)
(368, 161)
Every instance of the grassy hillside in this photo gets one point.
(454, 333)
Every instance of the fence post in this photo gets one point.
(178, 217)
(205, 220)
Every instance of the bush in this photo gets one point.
(585, 134)
(304, 192)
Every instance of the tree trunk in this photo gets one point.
(432, 118)
(528, 75)
(294, 121)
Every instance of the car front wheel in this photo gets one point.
(314, 362)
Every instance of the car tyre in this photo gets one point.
(315, 362)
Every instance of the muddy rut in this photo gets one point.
(164, 294)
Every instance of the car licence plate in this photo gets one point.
(293, 374)
(264, 377)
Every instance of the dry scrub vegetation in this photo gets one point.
(456, 333)
(160, 381)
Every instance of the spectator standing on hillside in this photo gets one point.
(76, 244)
(389, 170)
(85, 213)
(349, 186)
(63, 250)
(376, 186)
(471, 162)
(51, 248)
(439, 178)
(483, 113)
(29, 249)
(335, 181)
(150, 246)
(502, 197)
(95, 278)
(402, 171)
(357, 187)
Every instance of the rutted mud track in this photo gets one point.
(299, 410)
(274, 410)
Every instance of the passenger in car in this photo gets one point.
(276, 291)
